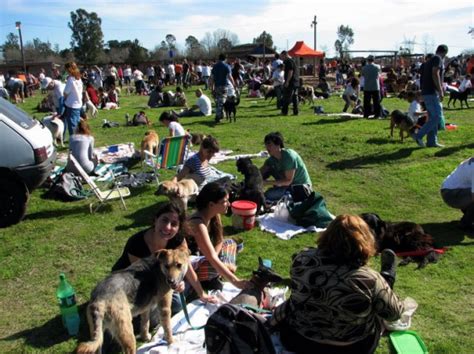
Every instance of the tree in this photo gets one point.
(264, 38)
(11, 48)
(224, 45)
(345, 38)
(87, 37)
(137, 54)
(194, 49)
(171, 41)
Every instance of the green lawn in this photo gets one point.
(353, 163)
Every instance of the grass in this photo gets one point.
(352, 162)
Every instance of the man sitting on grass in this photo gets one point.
(201, 108)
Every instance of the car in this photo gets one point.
(27, 156)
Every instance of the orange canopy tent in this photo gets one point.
(300, 49)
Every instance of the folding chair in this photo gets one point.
(103, 196)
(173, 152)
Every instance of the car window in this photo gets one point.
(16, 115)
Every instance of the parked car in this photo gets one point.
(27, 156)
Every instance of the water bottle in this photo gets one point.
(67, 305)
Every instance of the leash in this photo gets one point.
(255, 309)
(186, 314)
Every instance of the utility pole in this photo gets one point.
(18, 27)
(313, 24)
(264, 40)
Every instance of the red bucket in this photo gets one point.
(243, 214)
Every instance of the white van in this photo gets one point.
(27, 156)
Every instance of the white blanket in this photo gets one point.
(191, 341)
(282, 228)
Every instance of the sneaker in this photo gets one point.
(388, 262)
(437, 145)
(418, 141)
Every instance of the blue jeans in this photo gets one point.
(430, 128)
(73, 116)
(274, 194)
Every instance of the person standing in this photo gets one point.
(72, 97)
(433, 93)
(290, 87)
(221, 79)
(371, 75)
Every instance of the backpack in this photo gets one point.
(311, 212)
(67, 188)
(235, 330)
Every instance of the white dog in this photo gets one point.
(56, 127)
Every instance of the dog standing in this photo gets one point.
(150, 143)
(230, 106)
(255, 295)
(461, 96)
(56, 126)
(402, 237)
(402, 121)
(134, 291)
(252, 186)
(180, 191)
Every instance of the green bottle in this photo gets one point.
(67, 305)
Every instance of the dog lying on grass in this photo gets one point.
(254, 295)
(402, 237)
(180, 191)
(134, 291)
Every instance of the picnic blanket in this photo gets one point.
(283, 229)
(191, 341)
(225, 155)
(108, 154)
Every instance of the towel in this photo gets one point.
(283, 229)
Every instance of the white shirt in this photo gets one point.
(127, 72)
(73, 93)
(170, 68)
(137, 75)
(278, 78)
(465, 84)
(41, 77)
(413, 109)
(176, 129)
(204, 104)
(2, 80)
(206, 70)
(198, 68)
(462, 177)
(58, 91)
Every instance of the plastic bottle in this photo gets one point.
(67, 305)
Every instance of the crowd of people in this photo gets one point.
(334, 272)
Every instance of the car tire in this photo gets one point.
(13, 200)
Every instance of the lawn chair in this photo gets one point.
(103, 196)
(173, 152)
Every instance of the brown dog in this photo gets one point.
(134, 291)
(402, 121)
(150, 143)
(180, 191)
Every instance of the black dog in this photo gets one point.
(255, 294)
(252, 186)
(402, 237)
(230, 107)
(461, 96)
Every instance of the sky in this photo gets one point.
(377, 24)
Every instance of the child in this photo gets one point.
(171, 122)
(415, 113)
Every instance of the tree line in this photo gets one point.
(87, 45)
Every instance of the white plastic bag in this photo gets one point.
(281, 210)
(404, 322)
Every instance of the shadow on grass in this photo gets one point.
(451, 150)
(51, 332)
(447, 234)
(57, 213)
(380, 141)
(210, 122)
(374, 159)
(141, 218)
(331, 120)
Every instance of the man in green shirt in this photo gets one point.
(284, 165)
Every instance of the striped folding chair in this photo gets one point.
(173, 152)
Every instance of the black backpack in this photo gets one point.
(235, 330)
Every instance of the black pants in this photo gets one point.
(290, 95)
(373, 96)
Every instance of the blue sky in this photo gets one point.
(379, 25)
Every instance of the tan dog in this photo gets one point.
(402, 121)
(150, 143)
(264, 89)
(180, 191)
(134, 291)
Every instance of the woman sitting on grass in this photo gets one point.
(171, 122)
(207, 239)
(337, 302)
(81, 146)
(167, 232)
